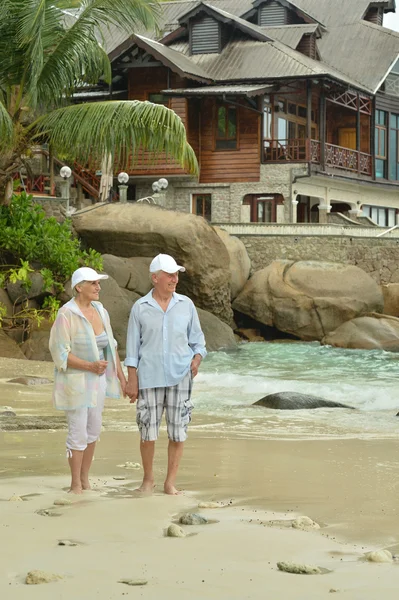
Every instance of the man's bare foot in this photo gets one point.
(147, 487)
(75, 489)
(171, 490)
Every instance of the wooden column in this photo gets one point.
(308, 109)
(358, 133)
(372, 137)
(322, 128)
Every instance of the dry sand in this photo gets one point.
(348, 486)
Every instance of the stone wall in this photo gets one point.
(378, 257)
(52, 207)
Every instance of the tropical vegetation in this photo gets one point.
(44, 55)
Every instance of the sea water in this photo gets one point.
(229, 383)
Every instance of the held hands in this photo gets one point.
(195, 363)
(98, 367)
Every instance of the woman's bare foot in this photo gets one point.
(86, 485)
(75, 489)
(170, 489)
(146, 487)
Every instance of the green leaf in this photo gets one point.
(100, 128)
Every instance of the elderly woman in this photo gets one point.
(87, 368)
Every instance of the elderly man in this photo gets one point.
(164, 349)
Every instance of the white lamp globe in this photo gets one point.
(65, 172)
(163, 183)
(123, 177)
(156, 187)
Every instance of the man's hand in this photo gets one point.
(195, 363)
(132, 390)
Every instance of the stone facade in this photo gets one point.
(376, 256)
(53, 207)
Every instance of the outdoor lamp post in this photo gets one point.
(123, 178)
(66, 173)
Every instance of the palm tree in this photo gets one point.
(42, 61)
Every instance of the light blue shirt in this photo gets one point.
(161, 345)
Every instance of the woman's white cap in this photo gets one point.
(164, 262)
(85, 274)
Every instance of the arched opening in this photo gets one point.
(263, 207)
(341, 207)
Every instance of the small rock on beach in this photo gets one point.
(193, 519)
(130, 465)
(175, 531)
(380, 556)
(210, 505)
(38, 577)
(15, 499)
(133, 581)
(298, 569)
(304, 523)
(62, 502)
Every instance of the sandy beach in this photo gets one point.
(348, 486)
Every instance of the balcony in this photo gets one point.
(335, 157)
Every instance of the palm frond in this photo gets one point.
(120, 128)
(6, 128)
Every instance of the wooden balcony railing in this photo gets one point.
(336, 157)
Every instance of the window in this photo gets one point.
(394, 147)
(292, 125)
(159, 99)
(226, 127)
(385, 217)
(380, 144)
(263, 207)
(205, 36)
(202, 205)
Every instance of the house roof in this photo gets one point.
(168, 56)
(291, 35)
(363, 51)
(334, 12)
(219, 90)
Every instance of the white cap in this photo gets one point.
(85, 274)
(164, 262)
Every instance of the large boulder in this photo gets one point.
(128, 230)
(218, 335)
(391, 299)
(130, 273)
(9, 348)
(240, 263)
(296, 401)
(36, 346)
(308, 299)
(370, 332)
(18, 292)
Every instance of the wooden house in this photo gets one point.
(292, 108)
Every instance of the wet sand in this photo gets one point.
(348, 486)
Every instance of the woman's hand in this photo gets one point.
(98, 367)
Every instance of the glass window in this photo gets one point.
(391, 217)
(202, 205)
(302, 112)
(226, 130)
(393, 167)
(291, 108)
(282, 128)
(384, 217)
(380, 144)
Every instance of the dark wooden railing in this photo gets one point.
(311, 151)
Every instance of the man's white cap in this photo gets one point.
(164, 262)
(85, 274)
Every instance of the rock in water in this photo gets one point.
(308, 299)
(380, 556)
(30, 380)
(175, 531)
(38, 577)
(296, 401)
(304, 523)
(371, 332)
(298, 569)
(193, 519)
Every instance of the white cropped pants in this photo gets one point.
(84, 424)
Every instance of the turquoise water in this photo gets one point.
(230, 382)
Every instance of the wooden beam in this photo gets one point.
(322, 111)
